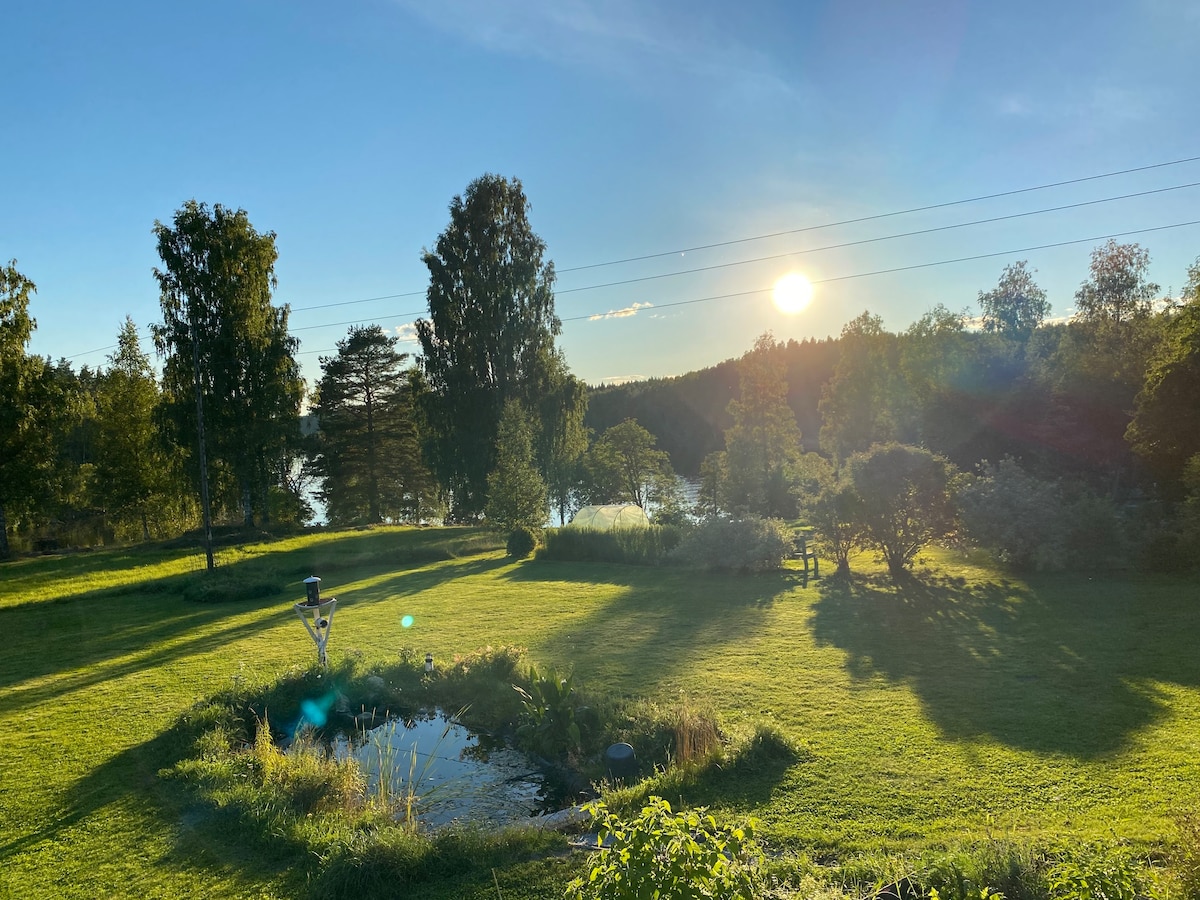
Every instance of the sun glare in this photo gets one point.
(792, 293)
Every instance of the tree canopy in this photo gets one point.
(490, 333)
(367, 452)
(1016, 306)
(216, 282)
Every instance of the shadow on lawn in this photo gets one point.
(1061, 668)
(85, 629)
(133, 777)
(662, 621)
(94, 660)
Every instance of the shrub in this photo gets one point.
(1014, 515)
(647, 546)
(1092, 536)
(685, 856)
(738, 545)
(903, 501)
(521, 542)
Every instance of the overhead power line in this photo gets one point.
(830, 280)
(873, 240)
(737, 241)
(909, 268)
(886, 215)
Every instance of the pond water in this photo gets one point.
(449, 772)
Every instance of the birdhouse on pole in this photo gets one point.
(316, 615)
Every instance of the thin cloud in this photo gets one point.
(621, 38)
(407, 333)
(620, 313)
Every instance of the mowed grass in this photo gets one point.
(959, 705)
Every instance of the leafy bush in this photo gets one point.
(1015, 515)
(647, 546)
(1095, 873)
(522, 541)
(685, 856)
(833, 510)
(903, 501)
(738, 545)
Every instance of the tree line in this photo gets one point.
(489, 424)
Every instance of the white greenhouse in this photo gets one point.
(605, 518)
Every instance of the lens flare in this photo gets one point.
(312, 714)
(406, 622)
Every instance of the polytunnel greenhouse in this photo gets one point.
(605, 518)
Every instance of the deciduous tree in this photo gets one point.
(861, 403)
(22, 443)
(216, 282)
(1166, 424)
(1016, 305)
(903, 501)
(625, 466)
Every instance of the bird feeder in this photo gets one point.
(316, 615)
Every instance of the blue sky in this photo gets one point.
(636, 127)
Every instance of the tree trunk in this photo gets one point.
(3, 533)
(145, 527)
(247, 506)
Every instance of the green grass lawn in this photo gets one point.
(959, 705)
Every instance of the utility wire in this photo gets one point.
(928, 265)
(830, 280)
(818, 227)
(872, 218)
(873, 240)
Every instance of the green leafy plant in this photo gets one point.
(548, 723)
(984, 893)
(661, 853)
(1094, 873)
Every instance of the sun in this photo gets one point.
(792, 293)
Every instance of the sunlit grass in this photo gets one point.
(961, 705)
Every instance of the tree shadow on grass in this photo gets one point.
(133, 778)
(98, 662)
(1063, 667)
(88, 628)
(662, 620)
(424, 578)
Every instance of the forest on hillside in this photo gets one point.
(489, 425)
